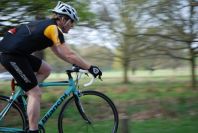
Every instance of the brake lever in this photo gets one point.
(87, 74)
(100, 78)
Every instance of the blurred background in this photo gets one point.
(147, 50)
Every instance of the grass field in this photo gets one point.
(161, 102)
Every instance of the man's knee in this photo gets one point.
(48, 70)
(35, 92)
(45, 69)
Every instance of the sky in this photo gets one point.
(83, 35)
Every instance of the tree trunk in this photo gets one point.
(193, 72)
(126, 80)
(192, 52)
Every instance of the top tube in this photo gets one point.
(70, 82)
(56, 83)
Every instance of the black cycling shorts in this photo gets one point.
(22, 68)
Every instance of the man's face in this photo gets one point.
(66, 25)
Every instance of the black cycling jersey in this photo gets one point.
(32, 37)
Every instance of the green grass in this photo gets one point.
(181, 125)
(161, 102)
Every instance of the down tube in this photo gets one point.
(52, 109)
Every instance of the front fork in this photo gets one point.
(79, 106)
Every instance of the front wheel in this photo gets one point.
(94, 112)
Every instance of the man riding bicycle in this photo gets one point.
(19, 43)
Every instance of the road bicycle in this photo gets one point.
(86, 111)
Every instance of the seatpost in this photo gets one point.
(69, 73)
(13, 84)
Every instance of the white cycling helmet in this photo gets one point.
(65, 9)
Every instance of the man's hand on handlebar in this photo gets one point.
(94, 70)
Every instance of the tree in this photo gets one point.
(123, 23)
(178, 31)
(168, 28)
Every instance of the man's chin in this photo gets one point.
(65, 31)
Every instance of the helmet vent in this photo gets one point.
(69, 11)
(64, 10)
(61, 6)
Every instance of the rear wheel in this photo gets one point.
(94, 112)
(14, 120)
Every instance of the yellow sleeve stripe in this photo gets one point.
(51, 32)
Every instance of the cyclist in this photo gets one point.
(19, 43)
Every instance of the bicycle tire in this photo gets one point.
(99, 109)
(14, 120)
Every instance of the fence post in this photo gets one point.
(124, 123)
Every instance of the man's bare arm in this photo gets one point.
(64, 52)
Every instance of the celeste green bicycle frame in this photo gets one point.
(71, 88)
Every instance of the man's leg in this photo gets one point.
(34, 97)
(22, 68)
(33, 107)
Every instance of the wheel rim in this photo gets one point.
(97, 110)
